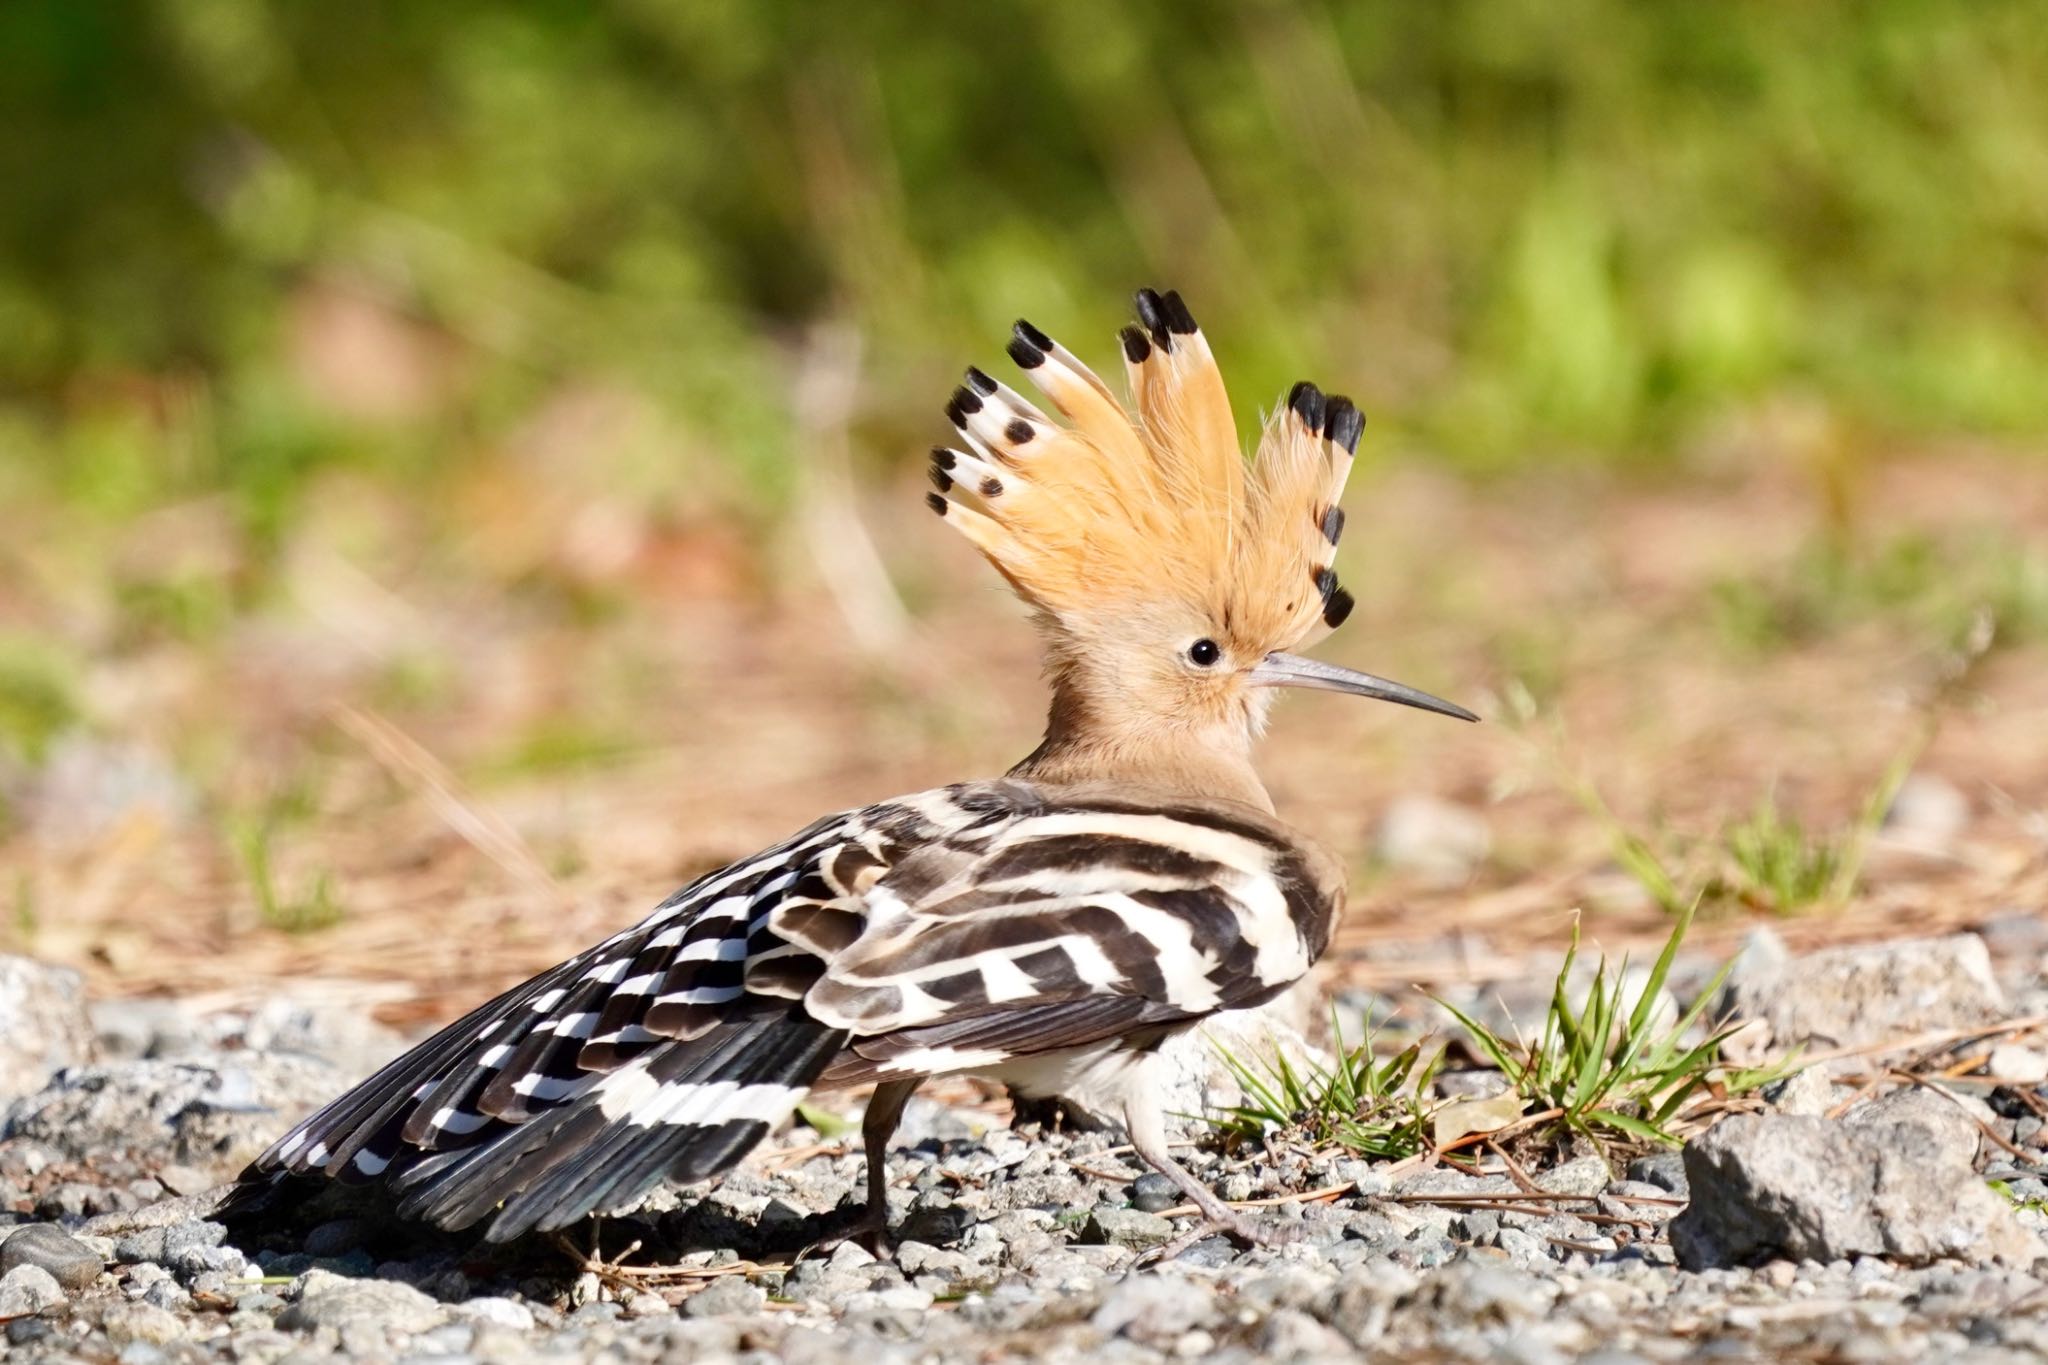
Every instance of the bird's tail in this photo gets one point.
(685, 1111)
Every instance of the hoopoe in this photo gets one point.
(1049, 929)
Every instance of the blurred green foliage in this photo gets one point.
(1512, 229)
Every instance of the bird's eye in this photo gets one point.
(1204, 652)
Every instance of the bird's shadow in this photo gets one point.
(300, 1225)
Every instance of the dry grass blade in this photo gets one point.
(1321, 1196)
(613, 1271)
(409, 761)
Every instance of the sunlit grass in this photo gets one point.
(1602, 1064)
(1604, 1067)
(1363, 1104)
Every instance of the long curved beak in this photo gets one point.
(1291, 670)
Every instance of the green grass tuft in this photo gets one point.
(1605, 1067)
(1362, 1104)
(1602, 1066)
(315, 907)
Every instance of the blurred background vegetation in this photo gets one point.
(379, 355)
(244, 240)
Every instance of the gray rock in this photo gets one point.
(43, 1024)
(1765, 1185)
(1868, 993)
(1581, 1175)
(1436, 840)
(1126, 1228)
(1155, 1309)
(73, 1264)
(730, 1296)
(27, 1290)
(940, 1226)
(334, 1238)
(1945, 1121)
(328, 1300)
(1154, 1193)
(1291, 1334)
(163, 1214)
(346, 1037)
(1476, 1290)
(125, 1323)
(2012, 1062)
(128, 1030)
(1805, 1093)
(216, 1114)
(497, 1312)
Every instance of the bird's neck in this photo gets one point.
(1083, 744)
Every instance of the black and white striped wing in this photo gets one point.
(1074, 922)
(938, 932)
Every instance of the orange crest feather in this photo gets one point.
(1108, 514)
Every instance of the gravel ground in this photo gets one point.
(1841, 1221)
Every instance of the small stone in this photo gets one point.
(1154, 1193)
(1132, 1228)
(497, 1312)
(728, 1296)
(43, 1024)
(645, 1303)
(937, 1226)
(141, 1248)
(329, 1300)
(1665, 1170)
(1155, 1310)
(27, 1290)
(849, 1257)
(2021, 1065)
(141, 1322)
(1290, 1334)
(70, 1262)
(1438, 841)
(1927, 812)
(1807, 1092)
(334, 1238)
(1586, 1175)
(1943, 1120)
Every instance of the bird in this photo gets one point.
(1049, 929)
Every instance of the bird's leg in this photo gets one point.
(1147, 1127)
(877, 1126)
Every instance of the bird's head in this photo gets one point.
(1171, 577)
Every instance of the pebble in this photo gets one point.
(1001, 1222)
(1133, 1228)
(28, 1289)
(728, 1296)
(328, 1300)
(1154, 1193)
(70, 1262)
(141, 1322)
(2012, 1062)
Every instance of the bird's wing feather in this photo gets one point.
(985, 921)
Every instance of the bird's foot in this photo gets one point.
(1228, 1222)
(869, 1233)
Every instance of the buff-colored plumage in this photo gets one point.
(1112, 512)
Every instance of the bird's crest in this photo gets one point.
(1112, 512)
